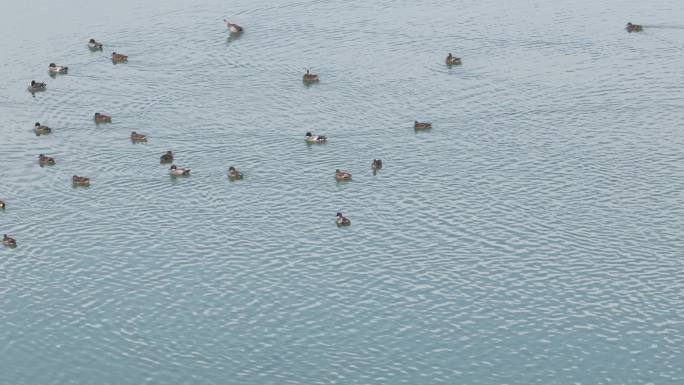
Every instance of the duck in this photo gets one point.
(233, 28)
(342, 175)
(453, 60)
(92, 44)
(41, 130)
(9, 241)
(421, 125)
(341, 220)
(117, 57)
(634, 27)
(309, 77)
(176, 171)
(55, 69)
(100, 118)
(376, 164)
(80, 180)
(2, 205)
(135, 137)
(166, 158)
(36, 86)
(310, 138)
(234, 173)
(44, 160)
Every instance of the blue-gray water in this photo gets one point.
(534, 236)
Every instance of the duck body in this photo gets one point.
(55, 69)
(453, 60)
(177, 171)
(45, 160)
(94, 46)
(634, 27)
(341, 220)
(233, 28)
(41, 130)
(9, 241)
(421, 125)
(117, 57)
(166, 158)
(234, 173)
(35, 86)
(309, 77)
(342, 175)
(80, 180)
(100, 118)
(376, 164)
(135, 137)
(310, 138)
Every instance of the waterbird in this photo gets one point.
(101, 118)
(41, 130)
(80, 180)
(117, 57)
(452, 60)
(177, 171)
(45, 160)
(55, 69)
(166, 158)
(36, 86)
(234, 174)
(341, 175)
(421, 125)
(9, 241)
(93, 45)
(135, 137)
(233, 28)
(341, 220)
(310, 138)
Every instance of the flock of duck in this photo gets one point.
(175, 171)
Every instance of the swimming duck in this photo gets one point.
(453, 60)
(44, 160)
(310, 138)
(341, 220)
(9, 241)
(138, 137)
(117, 57)
(2, 205)
(342, 175)
(100, 118)
(421, 125)
(55, 69)
(633, 27)
(233, 173)
(176, 171)
(309, 77)
(36, 86)
(233, 28)
(166, 158)
(93, 45)
(376, 164)
(41, 130)
(80, 180)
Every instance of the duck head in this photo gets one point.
(173, 167)
(339, 215)
(308, 134)
(53, 65)
(92, 41)
(33, 82)
(37, 124)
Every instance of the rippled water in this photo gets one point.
(533, 236)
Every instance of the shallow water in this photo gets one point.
(534, 235)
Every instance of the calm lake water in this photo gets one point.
(534, 236)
